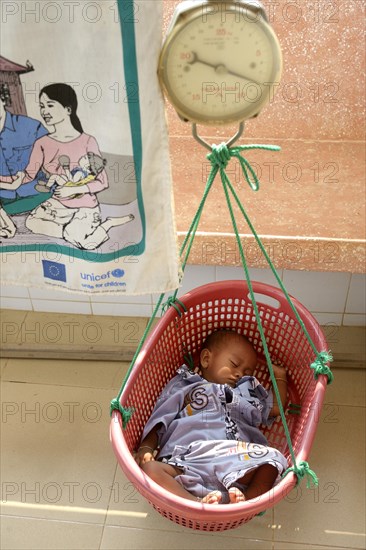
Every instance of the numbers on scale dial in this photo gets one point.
(216, 70)
(216, 76)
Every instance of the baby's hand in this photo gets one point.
(143, 455)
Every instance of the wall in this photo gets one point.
(333, 298)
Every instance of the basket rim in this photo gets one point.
(194, 511)
(220, 287)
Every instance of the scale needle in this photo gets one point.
(219, 68)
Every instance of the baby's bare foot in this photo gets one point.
(215, 497)
(236, 495)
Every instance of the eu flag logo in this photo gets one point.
(54, 270)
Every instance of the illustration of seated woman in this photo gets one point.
(73, 212)
(89, 167)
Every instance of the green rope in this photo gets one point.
(189, 361)
(224, 179)
(301, 470)
(221, 155)
(187, 243)
(126, 413)
(320, 356)
(219, 158)
(319, 365)
(172, 302)
(294, 408)
(189, 238)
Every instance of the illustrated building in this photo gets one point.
(10, 80)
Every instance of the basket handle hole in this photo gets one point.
(266, 300)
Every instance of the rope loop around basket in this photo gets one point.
(173, 301)
(294, 408)
(126, 413)
(320, 367)
(301, 470)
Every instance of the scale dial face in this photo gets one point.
(220, 66)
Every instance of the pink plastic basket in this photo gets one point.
(210, 307)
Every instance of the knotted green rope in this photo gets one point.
(172, 301)
(126, 413)
(221, 155)
(319, 365)
(301, 470)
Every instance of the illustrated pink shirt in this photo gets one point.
(45, 155)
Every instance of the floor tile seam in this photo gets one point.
(272, 523)
(190, 531)
(54, 520)
(102, 525)
(108, 506)
(58, 385)
(309, 546)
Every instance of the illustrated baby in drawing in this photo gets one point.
(89, 166)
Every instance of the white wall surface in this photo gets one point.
(333, 298)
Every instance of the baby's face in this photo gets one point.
(229, 362)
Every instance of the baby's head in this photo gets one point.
(227, 356)
(92, 163)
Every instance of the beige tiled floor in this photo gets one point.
(61, 488)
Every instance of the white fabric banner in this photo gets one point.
(85, 182)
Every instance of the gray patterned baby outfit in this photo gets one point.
(211, 431)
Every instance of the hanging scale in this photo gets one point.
(220, 63)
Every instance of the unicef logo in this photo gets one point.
(118, 273)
